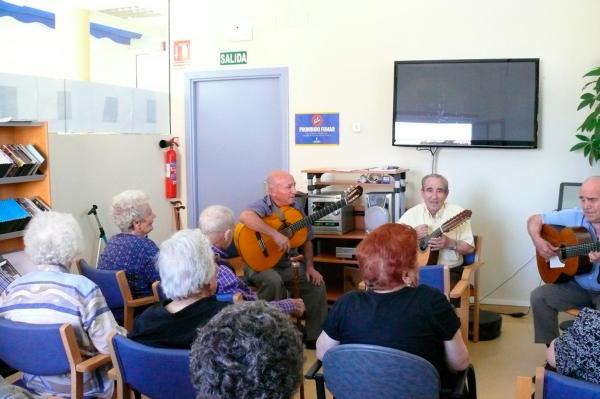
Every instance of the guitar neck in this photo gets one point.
(424, 242)
(579, 249)
(306, 221)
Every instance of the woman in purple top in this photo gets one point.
(132, 250)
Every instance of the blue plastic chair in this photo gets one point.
(158, 373)
(551, 385)
(357, 371)
(46, 349)
(115, 288)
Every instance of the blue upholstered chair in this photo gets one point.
(551, 385)
(155, 372)
(116, 291)
(230, 298)
(46, 349)
(370, 371)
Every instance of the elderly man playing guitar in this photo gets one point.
(274, 282)
(443, 228)
(563, 253)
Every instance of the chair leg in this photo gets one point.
(476, 307)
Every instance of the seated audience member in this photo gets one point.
(395, 311)
(188, 276)
(584, 288)
(576, 353)
(248, 351)
(132, 250)
(217, 223)
(53, 295)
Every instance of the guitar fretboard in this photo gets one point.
(305, 222)
(579, 249)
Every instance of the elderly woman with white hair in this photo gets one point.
(52, 295)
(188, 276)
(132, 250)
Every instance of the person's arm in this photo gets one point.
(550, 355)
(311, 273)
(462, 247)
(457, 356)
(534, 228)
(324, 343)
(254, 222)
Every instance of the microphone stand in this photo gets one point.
(102, 236)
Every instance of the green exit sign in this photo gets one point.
(234, 58)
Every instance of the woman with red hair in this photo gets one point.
(395, 311)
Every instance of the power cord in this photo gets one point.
(513, 314)
(433, 151)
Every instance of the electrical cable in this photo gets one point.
(514, 314)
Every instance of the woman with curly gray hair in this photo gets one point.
(132, 250)
(188, 276)
(248, 351)
(52, 295)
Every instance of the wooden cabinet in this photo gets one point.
(339, 272)
(24, 186)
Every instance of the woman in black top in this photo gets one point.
(396, 312)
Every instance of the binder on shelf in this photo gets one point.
(37, 156)
(12, 216)
(7, 273)
(39, 202)
(6, 164)
(27, 163)
(14, 170)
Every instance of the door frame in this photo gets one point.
(191, 80)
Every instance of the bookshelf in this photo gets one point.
(35, 133)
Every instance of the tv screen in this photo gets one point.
(466, 103)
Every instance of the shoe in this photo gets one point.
(310, 344)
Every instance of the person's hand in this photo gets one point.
(297, 258)
(314, 276)
(282, 241)
(422, 230)
(439, 243)
(594, 256)
(545, 249)
(298, 307)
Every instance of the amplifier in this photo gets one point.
(345, 252)
(339, 221)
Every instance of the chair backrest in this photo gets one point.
(33, 348)
(568, 195)
(370, 371)
(474, 256)
(557, 386)
(435, 276)
(156, 372)
(106, 280)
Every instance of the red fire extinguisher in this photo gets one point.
(170, 166)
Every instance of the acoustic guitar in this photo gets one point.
(575, 243)
(424, 254)
(260, 252)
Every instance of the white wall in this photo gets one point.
(340, 56)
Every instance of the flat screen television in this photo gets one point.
(466, 103)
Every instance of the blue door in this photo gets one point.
(237, 131)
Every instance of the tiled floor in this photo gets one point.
(497, 362)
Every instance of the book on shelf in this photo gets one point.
(19, 160)
(8, 273)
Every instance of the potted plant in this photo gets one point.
(589, 139)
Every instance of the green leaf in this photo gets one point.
(593, 72)
(586, 100)
(586, 149)
(590, 122)
(582, 137)
(578, 146)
